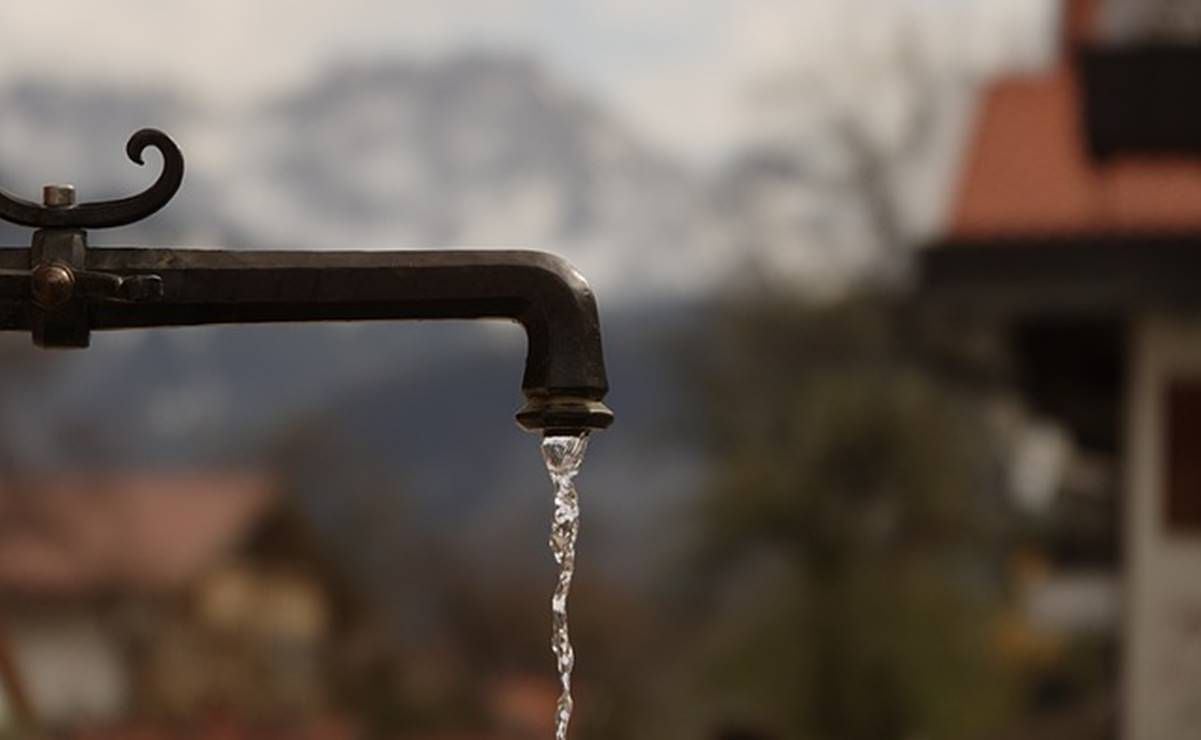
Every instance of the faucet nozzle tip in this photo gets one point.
(563, 415)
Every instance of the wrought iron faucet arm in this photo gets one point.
(564, 378)
(61, 290)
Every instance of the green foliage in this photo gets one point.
(846, 529)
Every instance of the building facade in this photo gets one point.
(1076, 233)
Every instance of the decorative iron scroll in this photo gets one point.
(109, 213)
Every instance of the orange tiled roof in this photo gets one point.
(78, 534)
(1028, 170)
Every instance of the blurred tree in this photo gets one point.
(839, 185)
(850, 550)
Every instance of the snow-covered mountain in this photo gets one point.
(486, 151)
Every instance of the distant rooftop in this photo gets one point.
(1029, 166)
(81, 535)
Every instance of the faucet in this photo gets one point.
(60, 290)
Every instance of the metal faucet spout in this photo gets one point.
(61, 290)
(564, 381)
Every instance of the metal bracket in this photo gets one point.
(58, 283)
(62, 289)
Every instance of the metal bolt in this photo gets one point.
(53, 284)
(58, 196)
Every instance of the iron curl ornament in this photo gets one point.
(108, 213)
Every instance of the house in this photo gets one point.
(149, 599)
(1076, 234)
(200, 605)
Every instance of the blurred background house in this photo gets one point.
(897, 300)
(159, 597)
(1076, 231)
(163, 605)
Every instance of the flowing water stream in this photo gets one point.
(564, 455)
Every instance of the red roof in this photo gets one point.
(1028, 169)
(79, 534)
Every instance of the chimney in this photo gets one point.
(1079, 21)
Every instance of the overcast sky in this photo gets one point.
(677, 70)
